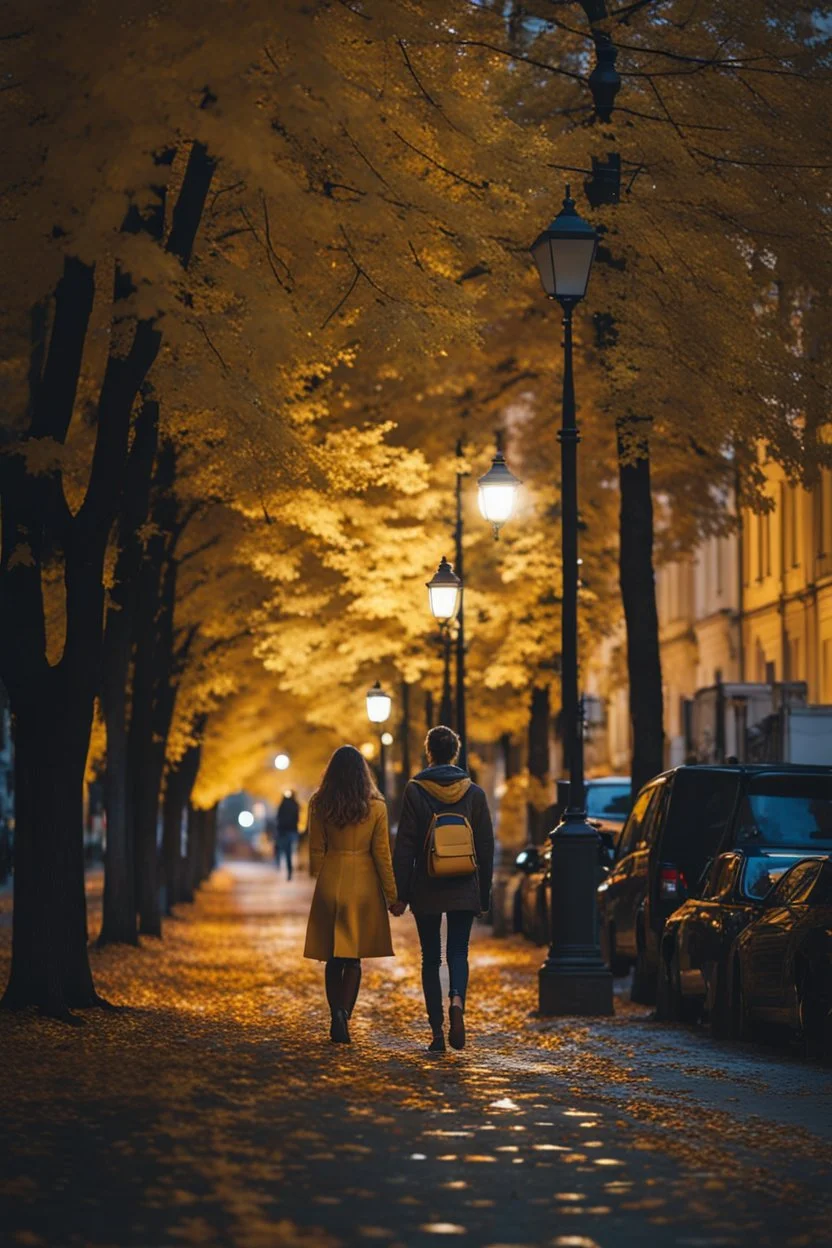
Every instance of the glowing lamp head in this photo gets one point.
(281, 761)
(245, 819)
(444, 589)
(387, 738)
(378, 704)
(564, 253)
(498, 493)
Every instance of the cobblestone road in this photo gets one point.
(214, 1110)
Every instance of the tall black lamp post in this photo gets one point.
(461, 726)
(573, 979)
(497, 494)
(379, 705)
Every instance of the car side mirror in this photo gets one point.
(701, 884)
(606, 849)
(527, 860)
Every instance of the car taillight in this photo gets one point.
(671, 882)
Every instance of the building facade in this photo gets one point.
(752, 607)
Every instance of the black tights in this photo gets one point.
(343, 979)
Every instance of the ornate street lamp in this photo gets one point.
(564, 253)
(573, 979)
(497, 493)
(444, 592)
(379, 705)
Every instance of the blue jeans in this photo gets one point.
(459, 932)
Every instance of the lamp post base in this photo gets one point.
(574, 978)
(579, 991)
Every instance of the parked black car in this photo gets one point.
(781, 965)
(781, 815)
(607, 805)
(532, 901)
(679, 824)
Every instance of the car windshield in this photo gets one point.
(787, 810)
(761, 874)
(608, 801)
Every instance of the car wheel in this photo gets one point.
(542, 918)
(814, 1015)
(643, 991)
(740, 1023)
(517, 914)
(682, 1010)
(664, 1002)
(720, 1018)
(618, 965)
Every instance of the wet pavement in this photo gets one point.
(215, 1111)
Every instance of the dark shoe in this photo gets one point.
(437, 1044)
(456, 1033)
(339, 1032)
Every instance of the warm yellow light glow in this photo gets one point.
(387, 738)
(368, 749)
(281, 761)
(245, 819)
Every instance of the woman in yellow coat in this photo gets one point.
(349, 849)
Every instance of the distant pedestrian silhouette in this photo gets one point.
(286, 835)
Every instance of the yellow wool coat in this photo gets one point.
(355, 884)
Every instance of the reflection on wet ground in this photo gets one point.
(215, 1111)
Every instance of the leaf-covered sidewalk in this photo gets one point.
(215, 1111)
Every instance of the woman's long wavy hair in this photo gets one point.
(347, 787)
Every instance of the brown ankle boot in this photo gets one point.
(456, 1032)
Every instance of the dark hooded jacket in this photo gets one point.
(437, 789)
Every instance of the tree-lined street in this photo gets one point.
(214, 1110)
(271, 335)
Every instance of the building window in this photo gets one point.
(825, 513)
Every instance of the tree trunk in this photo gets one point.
(196, 826)
(118, 924)
(50, 966)
(403, 775)
(154, 692)
(119, 908)
(144, 770)
(538, 763)
(209, 843)
(638, 593)
(173, 815)
(178, 788)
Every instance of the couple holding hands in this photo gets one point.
(441, 864)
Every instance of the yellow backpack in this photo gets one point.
(450, 845)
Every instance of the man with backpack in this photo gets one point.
(443, 861)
